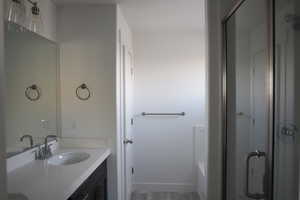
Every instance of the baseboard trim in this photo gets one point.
(164, 187)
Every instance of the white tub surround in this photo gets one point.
(39, 180)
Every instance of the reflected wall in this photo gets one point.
(286, 169)
(31, 87)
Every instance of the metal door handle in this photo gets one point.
(127, 141)
(251, 155)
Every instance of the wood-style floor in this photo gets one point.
(164, 196)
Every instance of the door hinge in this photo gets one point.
(132, 170)
(131, 121)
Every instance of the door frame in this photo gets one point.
(120, 118)
(122, 47)
(125, 50)
(271, 97)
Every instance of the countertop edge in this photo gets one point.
(86, 174)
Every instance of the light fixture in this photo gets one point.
(16, 13)
(35, 22)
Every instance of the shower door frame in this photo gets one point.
(271, 97)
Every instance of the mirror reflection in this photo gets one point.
(31, 89)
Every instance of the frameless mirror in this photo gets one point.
(31, 88)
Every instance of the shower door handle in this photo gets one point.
(256, 154)
(127, 141)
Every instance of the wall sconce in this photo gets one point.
(16, 13)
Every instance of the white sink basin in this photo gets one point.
(68, 158)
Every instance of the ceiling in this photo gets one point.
(157, 15)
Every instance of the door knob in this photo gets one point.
(127, 141)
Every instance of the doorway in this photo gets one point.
(168, 116)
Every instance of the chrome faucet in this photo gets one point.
(47, 149)
(30, 139)
(45, 152)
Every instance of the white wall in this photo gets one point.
(2, 104)
(169, 77)
(87, 37)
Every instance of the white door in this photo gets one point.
(128, 120)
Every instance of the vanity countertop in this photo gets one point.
(39, 180)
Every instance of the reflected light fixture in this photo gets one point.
(35, 22)
(16, 13)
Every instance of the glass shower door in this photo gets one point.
(247, 101)
(287, 118)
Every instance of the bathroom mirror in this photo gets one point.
(31, 88)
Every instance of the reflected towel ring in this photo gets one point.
(83, 87)
(33, 92)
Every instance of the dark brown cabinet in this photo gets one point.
(95, 187)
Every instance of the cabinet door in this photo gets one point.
(86, 196)
(81, 193)
(91, 195)
(95, 187)
(101, 189)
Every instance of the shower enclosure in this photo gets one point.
(262, 100)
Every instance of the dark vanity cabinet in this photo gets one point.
(95, 187)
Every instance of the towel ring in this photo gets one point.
(83, 87)
(33, 88)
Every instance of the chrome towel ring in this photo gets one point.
(33, 92)
(83, 87)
